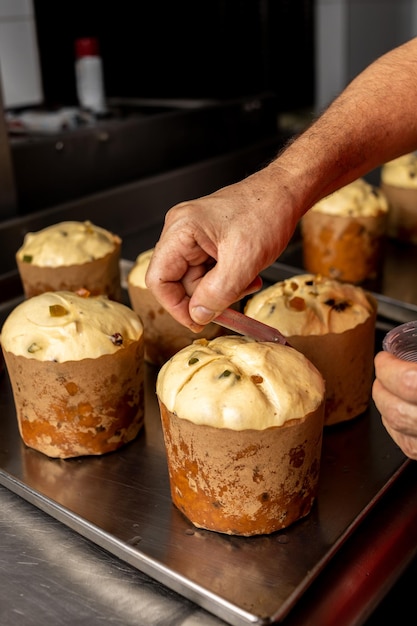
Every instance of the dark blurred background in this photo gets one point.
(182, 49)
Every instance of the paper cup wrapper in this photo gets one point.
(164, 336)
(402, 216)
(349, 249)
(346, 362)
(249, 482)
(99, 277)
(77, 408)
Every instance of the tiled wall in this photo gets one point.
(19, 58)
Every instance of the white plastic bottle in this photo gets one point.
(89, 75)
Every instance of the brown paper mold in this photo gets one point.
(349, 249)
(402, 219)
(399, 183)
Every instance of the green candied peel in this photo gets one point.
(34, 347)
(227, 373)
(27, 258)
(57, 310)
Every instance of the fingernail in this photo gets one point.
(202, 316)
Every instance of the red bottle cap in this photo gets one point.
(86, 47)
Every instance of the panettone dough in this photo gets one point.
(66, 243)
(333, 325)
(64, 326)
(358, 198)
(310, 304)
(138, 272)
(401, 172)
(69, 256)
(234, 382)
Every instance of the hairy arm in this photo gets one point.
(372, 121)
(212, 249)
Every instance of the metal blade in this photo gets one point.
(244, 325)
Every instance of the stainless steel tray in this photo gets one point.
(121, 502)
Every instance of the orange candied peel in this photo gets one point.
(83, 292)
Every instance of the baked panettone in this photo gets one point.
(343, 235)
(399, 183)
(76, 367)
(333, 324)
(69, 256)
(242, 423)
(164, 336)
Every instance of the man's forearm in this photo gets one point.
(374, 120)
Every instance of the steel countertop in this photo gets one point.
(50, 572)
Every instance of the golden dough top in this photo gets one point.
(358, 199)
(310, 304)
(237, 383)
(64, 326)
(67, 243)
(401, 172)
(137, 274)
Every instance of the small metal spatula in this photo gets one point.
(244, 325)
